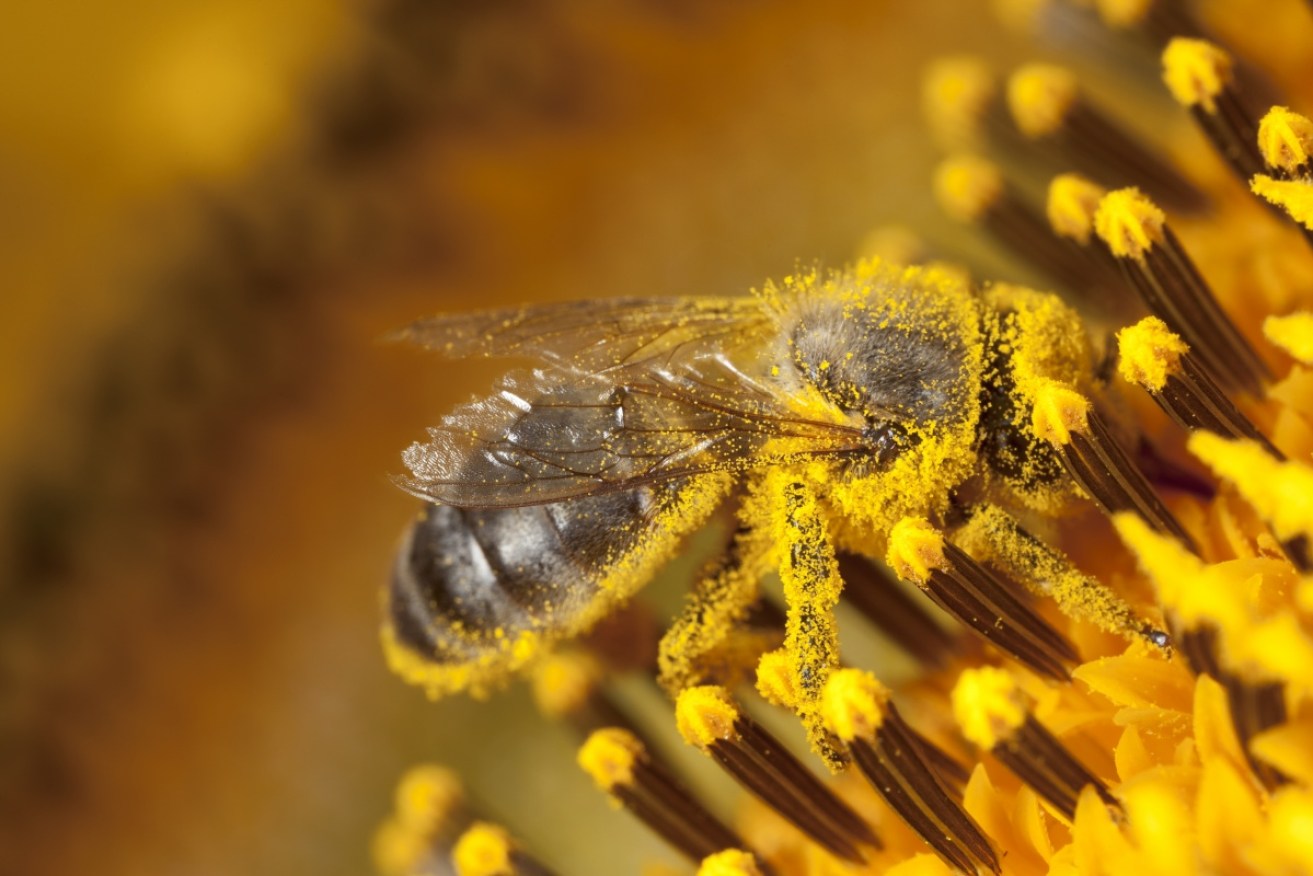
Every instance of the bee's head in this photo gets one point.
(892, 349)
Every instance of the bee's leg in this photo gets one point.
(702, 644)
(809, 572)
(993, 536)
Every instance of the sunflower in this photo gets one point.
(1160, 719)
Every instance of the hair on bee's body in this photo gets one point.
(833, 405)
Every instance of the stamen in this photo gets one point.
(487, 850)
(622, 767)
(898, 615)
(1095, 460)
(1285, 140)
(731, 862)
(1199, 75)
(975, 596)
(1048, 107)
(1157, 360)
(1293, 196)
(1072, 202)
(775, 684)
(1154, 263)
(857, 709)
(972, 190)
(567, 686)
(710, 720)
(429, 812)
(993, 714)
(961, 101)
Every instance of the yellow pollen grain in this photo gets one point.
(1285, 139)
(1123, 14)
(1281, 492)
(483, 850)
(1196, 72)
(966, 186)
(426, 796)
(1294, 196)
(1058, 412)
(731, 862)
(705, 715)
(853, 704)
(564, 682)
(397, 850)
(1040, 97)
(1129, 223)
(916, 549)
(775, 680)
(988, 706)
(1292, 333)
(1150, 353)
(955, 94)
(1072, 202)
(609, 756)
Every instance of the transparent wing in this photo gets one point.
(555, 434)
(600, 335)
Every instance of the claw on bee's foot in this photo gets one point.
(858, 711)
(993, 714)
(710, 720)
(622, 767)
(1094, 459)
(995, 536)
(487, 850)
(977, 597)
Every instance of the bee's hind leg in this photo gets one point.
(993, 536)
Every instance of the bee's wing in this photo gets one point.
(597, 335)
(556, 434)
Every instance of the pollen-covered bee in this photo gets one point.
(827, 410)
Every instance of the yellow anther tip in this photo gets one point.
(1285, 139)
(1150, 353)
(426, 795)
(1196, 72)
(1129, 223)
(967, 186)
(1292, 333)
(705, 715)
(1293, 196)
(1040, 96)
(1072, 202)
(1123, 13)
(916, 549)
(955, 93)
(731, 862)
(853, 704)
(483, 850)
(609, 756)
(564, 682)
(1058, 412)
(988, 706)
(775, 680)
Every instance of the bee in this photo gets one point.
(822, 409)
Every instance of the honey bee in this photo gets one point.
(822, 409)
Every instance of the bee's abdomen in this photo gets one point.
(466, 582)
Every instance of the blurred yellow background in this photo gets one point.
(209, 213)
